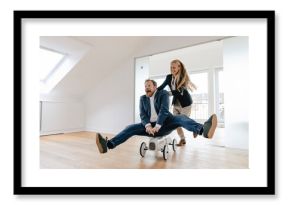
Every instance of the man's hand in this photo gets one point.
(149, 130)
(156, 128)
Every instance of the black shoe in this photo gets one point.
(101, 143)
(209, 126)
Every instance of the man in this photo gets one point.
(156, 120)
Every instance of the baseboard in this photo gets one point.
(55, 132)
(90, 129)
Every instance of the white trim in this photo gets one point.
(42, 133)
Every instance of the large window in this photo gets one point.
(49, 61)
(199, 110)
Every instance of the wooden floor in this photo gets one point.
(79, 151)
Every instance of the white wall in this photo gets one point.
(109, 107)
(61, 117)
(61, 113)
(236, 89)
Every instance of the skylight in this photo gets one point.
(49, 61)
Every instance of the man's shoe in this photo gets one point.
(195, 135)
(101, 143)
(181, 142)
(209, 126)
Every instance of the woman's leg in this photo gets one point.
(177, 111)
(181, 111)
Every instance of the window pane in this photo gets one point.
(49, 61)
(199, 111)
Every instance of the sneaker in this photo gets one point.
(181, 142)
(101, 143)
(209, 126)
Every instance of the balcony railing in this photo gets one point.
(199, 112)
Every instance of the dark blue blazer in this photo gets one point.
(161, 104)
(181, 95)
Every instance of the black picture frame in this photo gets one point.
(19, 189)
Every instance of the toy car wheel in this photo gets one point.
(174, 144)
(165, 152)
(143, 149)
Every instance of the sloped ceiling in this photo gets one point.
(108, 52)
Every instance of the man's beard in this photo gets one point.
(148, 92)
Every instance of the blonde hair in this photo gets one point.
(182, 78)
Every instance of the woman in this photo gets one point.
(179, 83)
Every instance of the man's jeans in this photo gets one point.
(170, 124)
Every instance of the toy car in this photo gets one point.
(159, 144)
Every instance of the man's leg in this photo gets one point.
(129, 131)
(207, 129)
(209, 126)
(176, 121)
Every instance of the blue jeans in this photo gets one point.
(170, 124)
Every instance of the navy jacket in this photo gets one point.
(182, 95)
(161, 104)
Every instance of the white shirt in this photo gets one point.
(173, 83)
(154, 116)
